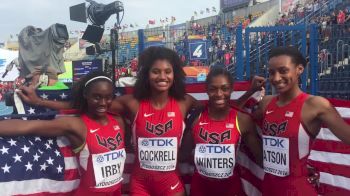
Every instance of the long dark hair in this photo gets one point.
(145, 62)
(79, 90)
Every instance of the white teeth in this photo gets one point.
(220, 101)
(161, 83)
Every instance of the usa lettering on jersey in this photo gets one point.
(160, 128)
(214, 138)
(274, 129)
(111, 143)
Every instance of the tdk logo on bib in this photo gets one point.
(215, 149)
(110, 156)
(157, 142)
(274, 142)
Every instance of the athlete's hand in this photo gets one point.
(314, 177)
(257, 83)
(28, 95)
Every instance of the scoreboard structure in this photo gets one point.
(229, 5)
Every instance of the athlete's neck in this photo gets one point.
(288, 96)
(102, 120)
(159, 99)
(218, 114)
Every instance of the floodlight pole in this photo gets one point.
(115, 47)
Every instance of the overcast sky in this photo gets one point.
(17, 14)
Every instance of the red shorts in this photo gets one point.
(83, 191)
(203, 186)
(288, 186)
(146, 182)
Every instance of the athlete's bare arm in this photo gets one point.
(28, 94)
(72, 127)
(125, 104)
(250, 136)
(257, 84)
(258, 114)
(317, 111)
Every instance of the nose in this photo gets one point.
(219, 93)
(103, 101)
(276, 77)
(162, 75)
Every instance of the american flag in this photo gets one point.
(62, 95)
(330, 156)
(32, 165)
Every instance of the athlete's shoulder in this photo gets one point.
(317, 102)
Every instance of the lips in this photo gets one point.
(101, 110)
(162, 84)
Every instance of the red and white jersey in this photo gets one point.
(103, 156)
(216, 145)
(157, 135)
(286, 142)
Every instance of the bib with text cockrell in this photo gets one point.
(159, 154)
(276, 155)
(215, 160)
(108, 167)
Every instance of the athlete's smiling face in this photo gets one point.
(99, 98)
(219, 92)
(161, 76)
(283, 73)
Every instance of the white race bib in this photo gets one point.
(159, 154)
(108, 167)
(276, 155)
(215, 160)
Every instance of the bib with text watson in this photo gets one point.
(108, 167)
(276, 155)
(215, 160)
(159, 154)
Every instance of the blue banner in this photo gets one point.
(198, 50)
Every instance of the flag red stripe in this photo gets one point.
(328, 190)
(249, 176)
(71, 174)
(67, 151)
(331, 146)
(335, 169)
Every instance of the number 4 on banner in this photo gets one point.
(198, 51)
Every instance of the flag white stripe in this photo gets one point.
(70, 163)
(250, 189)
(37, 186)
(203, 96)
(330, 157)
(130, 158)
(326, 134)
(344, 112)
(244, 161)
(335, 180)
(62, 141)
(126, 178)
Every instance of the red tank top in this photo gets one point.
(286, 142)
(216, 145)
(103, 156)
(157, 135)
